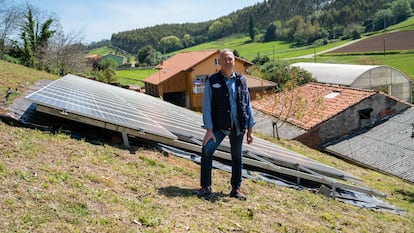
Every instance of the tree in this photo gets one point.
(236, 53)
(65, 54)
(381, 19)
(170, 43)
(401, 10)
(260, 60)
(35, 36)
(252, 29)
(149, 56)
(270, 34)
(290, 103)
(106, 71)
(284, 75)
(215, 30)
(188, 40)
(219, 28)
(9, 16)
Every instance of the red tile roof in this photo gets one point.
(253, 82)
(178, 63)
(312, 103)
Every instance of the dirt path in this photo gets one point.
(391, 41)
(387, 41)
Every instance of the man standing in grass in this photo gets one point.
(226, 112)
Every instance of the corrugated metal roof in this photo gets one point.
(388, 147)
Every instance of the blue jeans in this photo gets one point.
(208, 150)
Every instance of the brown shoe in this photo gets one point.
(203, 192)
(236, 193)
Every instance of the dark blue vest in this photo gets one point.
(220, 101)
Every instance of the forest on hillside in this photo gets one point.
(298, 21)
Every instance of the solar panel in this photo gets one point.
(73, 96)
(83, 97)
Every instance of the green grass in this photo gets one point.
(274, 49)
(407, 25)
(110, 50)
(19, 78)
(102, 51)
(69, 185)
(134, 76)
(400, 61)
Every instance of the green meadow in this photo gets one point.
(134, 76)
(283, 52)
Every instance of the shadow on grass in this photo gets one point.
(409, 196)
(174, 191)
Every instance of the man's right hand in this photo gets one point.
(209, 136)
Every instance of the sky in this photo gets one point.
(96, 20)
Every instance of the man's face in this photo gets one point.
(227, 61)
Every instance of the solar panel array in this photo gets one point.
(84, 97)
(177, 126)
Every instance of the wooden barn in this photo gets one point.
(180, 79)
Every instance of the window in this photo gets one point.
(217, 61)
(332, 95)
(199, 83)
(365, 114)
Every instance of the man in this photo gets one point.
(226, 112)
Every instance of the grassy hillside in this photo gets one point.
(18, 78)
(407, 25)
(274, 49)
(134, 76)
(281, 51)
(52, 183)
(102, 51)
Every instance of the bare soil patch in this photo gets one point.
(391, 41)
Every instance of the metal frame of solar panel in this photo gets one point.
(98, 104)
(153, 119)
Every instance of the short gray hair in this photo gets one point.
(225, 51)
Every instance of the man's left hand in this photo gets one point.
(249, 136)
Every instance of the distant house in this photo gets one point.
(374, 77)
(330, 112)
(119, 59)
(180, 79)
(93, 60)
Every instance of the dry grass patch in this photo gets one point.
(51, 183)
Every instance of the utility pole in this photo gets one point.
(385, 38)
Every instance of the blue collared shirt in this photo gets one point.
(231, 85)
